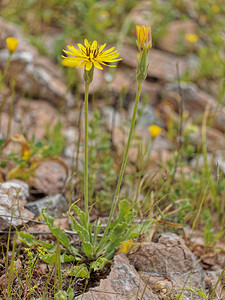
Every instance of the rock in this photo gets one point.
(50, 177)
(33, 116)
(170, 259)
(162, 143)
(219, 119)
(146, 114)
(111, 117)
(195, 100)
(174, 41)
(122, 283)
(56, 205)
(13, 195)
(19, 188)
(36, 75)
(162, 65)
(151, 89)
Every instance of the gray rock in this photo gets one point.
(13, 196)
(147, 112)
(195, 100)
(56, 205)
(122, 283)
(111, 115)
(169, 258)
(18, 188)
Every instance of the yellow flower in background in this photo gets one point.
(12, 44)
(154, 130)
(192, 38)
(144, 37)
(215, 8)
(90, 55)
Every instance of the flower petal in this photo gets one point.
(97, 65)
(101, 48)
(82, 48)
(88, 65)
(94, 45)
(109, 50)
(86, 43)
(70, 63)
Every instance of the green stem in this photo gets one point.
(86, 155)
(116, 195)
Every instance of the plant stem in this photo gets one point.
(116, 195)
(86, 155)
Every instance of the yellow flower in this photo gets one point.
(215, 8)
(90, 55)
(144, 37)
(154, 130)
(11, 44)
(192, 38)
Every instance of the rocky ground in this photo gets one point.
(156, 267)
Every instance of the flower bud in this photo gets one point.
(154, 130)
(144, 43)
(11, 44)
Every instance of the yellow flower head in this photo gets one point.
(90, 55)
(215, 8)
(11, 44)
(154, 130)
(144, 37)
(192, 38)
